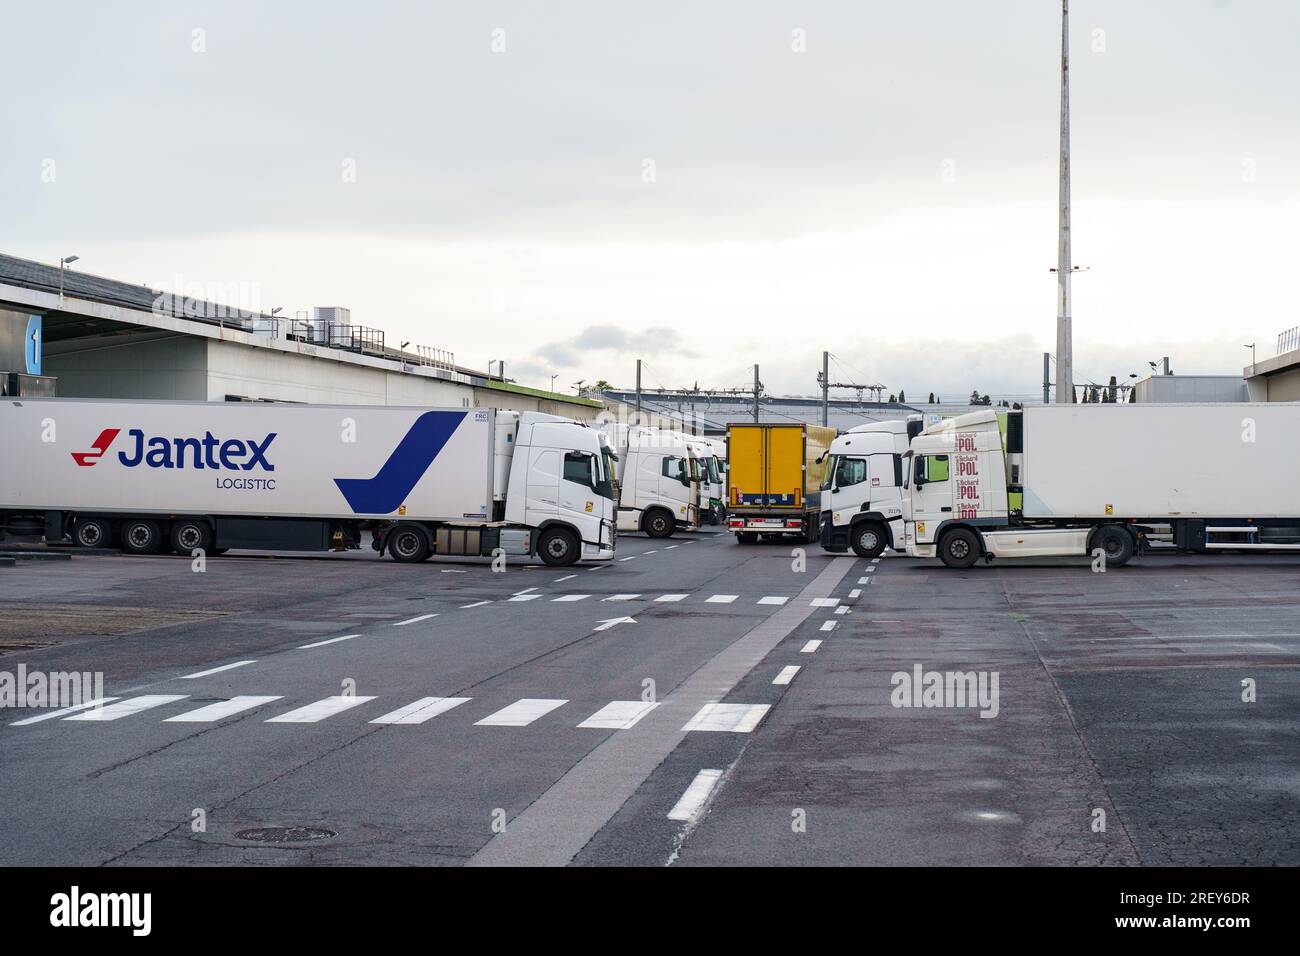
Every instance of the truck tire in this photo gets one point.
(658, 523)
(747, 537)
(408, 544)
(959, 548)
(557, 547)
(1115, 542)
(141, 536)
(188, 535)
(867, 539)
(92, 533)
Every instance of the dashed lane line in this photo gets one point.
(332, 640)
(829, 625)
(696, 796)
(728, 718)
(414, 620)
(217, 670)
(786, 675)
(810, 647)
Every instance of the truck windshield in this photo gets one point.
(832, 463)
(715, 476)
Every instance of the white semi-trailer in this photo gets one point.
(1078, 479)
(220, 475)
(862, 496)
(658, 478)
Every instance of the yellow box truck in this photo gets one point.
(774, 479)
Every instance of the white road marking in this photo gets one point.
(671, 597)
(126, 708)
(619, 714)
(855, 593)
(217, 670)
(421, 710)
(321, 709)
(606, 624)
(886, 622)
(522, 597)
(526, 590)
(721, 599)
(842, 609)
(670, 547)
(521, 713)
(870, 569)
(862, 580)
(652, 551)
(622, 597)
(829, 625)
(824, 602)
(567, 577)
(810, 647)
(728, 718)
(571, 597)
(475, 604)
(696, 796)
(414, 620)
(632, 558)
(786, 675)
(875, 561)
(222, 708)
(332, 640)
(772, 600)
(63, 711)
(453, 571)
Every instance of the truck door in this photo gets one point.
(849, 487)
(932, 488)
(577, 494)
(784, 486)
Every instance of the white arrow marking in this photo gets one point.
(606, 625)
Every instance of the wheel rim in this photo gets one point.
(1113, 546)
(90, 534)
(868, 541)
(558, 546)
(190, 537)
(140, 535)
(407, 544)
(959, 548)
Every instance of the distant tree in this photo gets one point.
(932, 398)
(938, 401)
(602, 385)
(901, 397)
(974, 396)
(1017, 405)
(892, 399)
(1112, 391)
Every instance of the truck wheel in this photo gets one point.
(1116, 544)
(141, 536)
(92, 533)
(959, 548)
(659, 524)
(188, 536)
(747, 537)
(408, 543)
(557, 547)
(868, 540)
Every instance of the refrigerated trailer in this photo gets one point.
(1098, 479)
(144, 476)
(774, 479)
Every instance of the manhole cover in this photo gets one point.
(285, 834)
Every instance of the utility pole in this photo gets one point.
(1047, 378)
(1064, 321)
(826, 388)
(638, 393)
(757, 387)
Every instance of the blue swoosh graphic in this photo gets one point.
(407, 464)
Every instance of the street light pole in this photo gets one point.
(66, 260)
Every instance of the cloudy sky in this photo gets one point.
(572, 185)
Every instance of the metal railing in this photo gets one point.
(1289, 340)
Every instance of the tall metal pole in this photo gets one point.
(1047, 378)
(756, 388)
(826, 388)
(1064, 327)
(638, 393)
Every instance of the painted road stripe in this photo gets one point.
(526, 590)
(571, 597)
(475, 604)
(855, 593)
(567, 577)
(63, 711)
(421, 710)
(633, 558)
(729, 718)
(696, 796)
(721, 599)
(810, 647)
(128, 707)
(829, 625)
(523, 597)
(653, 551)
(786, 675)
(842, 609)
(217, 670)
(670, 547)
(319, 710)
(672, 597)
(414, 620)
(622, 597)
(619, 714)
(824, 602)
(521, 713)
(874, 561)
(332, 640)
(773, 600)
(862, 580)
(222, 708)
(870, 569)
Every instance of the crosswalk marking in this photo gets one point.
(475, 604)
(672, 597)
(521, 713)
(222, 708)
(421, 710)
(829, 625)
(862, 580)
(622, 597)
(523, 597)
(824, 602)
(619, 714)
(63, 711)
(773, 600)
(721, 599)
(842, 609)
(730, 718)
(125, 708)
(786, 675)
(810, 647)
(414, 620)
(855, 593)
(696, 796)
(217, 670)
(332, 640)
(321, 709)
(571, 597)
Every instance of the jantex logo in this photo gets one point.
(158, 452)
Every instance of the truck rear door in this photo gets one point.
(748, 467)
(785, 467)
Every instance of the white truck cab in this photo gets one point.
(709, 475)
(862, 496)
(657, 479)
